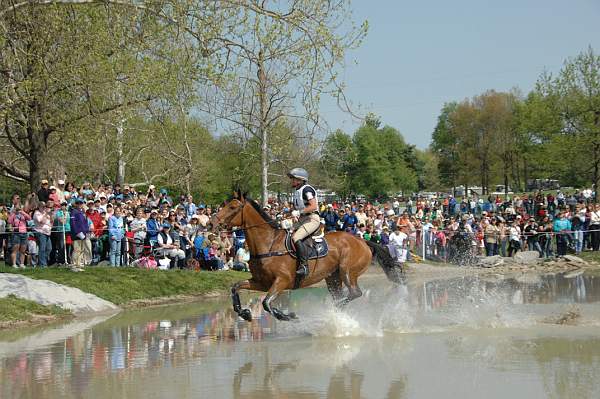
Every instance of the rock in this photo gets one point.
(575, 259)
(527, 257)
(47, 292)
(490, 261)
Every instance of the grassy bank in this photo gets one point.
(123, 286)
(15, 311)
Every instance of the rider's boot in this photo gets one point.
(302, 255)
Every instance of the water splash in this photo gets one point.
(464, 303)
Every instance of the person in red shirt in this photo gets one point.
(98, 230)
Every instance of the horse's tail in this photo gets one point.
(392, 269)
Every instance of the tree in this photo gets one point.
(380, 167)
(574, 95)
(338, 159)
(444, 144)
(63, 66)
(278, 64)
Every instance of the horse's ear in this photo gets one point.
(235, 195)
(245, 195)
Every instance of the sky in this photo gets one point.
(420, 54)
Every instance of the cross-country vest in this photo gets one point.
(303, 195)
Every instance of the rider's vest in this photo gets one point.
(303, 195)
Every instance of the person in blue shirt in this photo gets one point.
(331, 218)
(116, 233)
(350, 221)
(562, 228)
(152, 228)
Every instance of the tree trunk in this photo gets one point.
(263, 133)
(120, 178)
(39, 165)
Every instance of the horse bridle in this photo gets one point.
(258, 256)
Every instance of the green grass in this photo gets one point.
(123, 285)
(590, 256)
(13, 309)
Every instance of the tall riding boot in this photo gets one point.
(301, 254)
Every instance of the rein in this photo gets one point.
(265, 255)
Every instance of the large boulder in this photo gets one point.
(490, 261)
(527, 257)
(47, 292)
(574, 259)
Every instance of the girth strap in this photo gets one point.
(268, 255)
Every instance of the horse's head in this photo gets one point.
(230, 214)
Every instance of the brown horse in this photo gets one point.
(274, 269)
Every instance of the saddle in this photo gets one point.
(317, 246)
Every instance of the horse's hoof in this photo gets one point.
(246, 314)
(279, 315)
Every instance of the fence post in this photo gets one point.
(424, 241)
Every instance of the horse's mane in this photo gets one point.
(262, 213)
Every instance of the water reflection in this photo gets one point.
(534, 289)
(205, 350)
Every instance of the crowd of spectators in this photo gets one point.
(63, 224)
(450, 229)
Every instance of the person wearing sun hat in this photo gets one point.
(44, 192)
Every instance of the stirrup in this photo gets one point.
(302, 270)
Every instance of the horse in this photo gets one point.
(273, 268)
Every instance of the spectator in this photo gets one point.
(242, 259)
(398, 243)
(561, 227)
(531, 234)
(43, 221)
(168, 247)
(514, 238)
(138, 228)
(116, 233)
(331, 218)
(79, 231)
(491, 234)
(595, 226)
(60, 231)
(18, 219)
(43, 194)
(153, 228)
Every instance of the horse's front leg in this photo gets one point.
(235, 297)
(278, 286)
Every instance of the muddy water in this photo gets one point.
(531, 337)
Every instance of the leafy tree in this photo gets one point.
(338, 160)
(380, 166)
(574, 96)
(444, 145)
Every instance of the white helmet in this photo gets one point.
(298, 173)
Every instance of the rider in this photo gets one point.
(305, 202)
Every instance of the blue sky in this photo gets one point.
(420, 54)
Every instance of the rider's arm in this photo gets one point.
(311, 207)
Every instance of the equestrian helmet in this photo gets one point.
(298, 173)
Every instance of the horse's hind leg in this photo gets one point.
(334, 285)
(350, 280)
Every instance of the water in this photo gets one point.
(531, 337)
